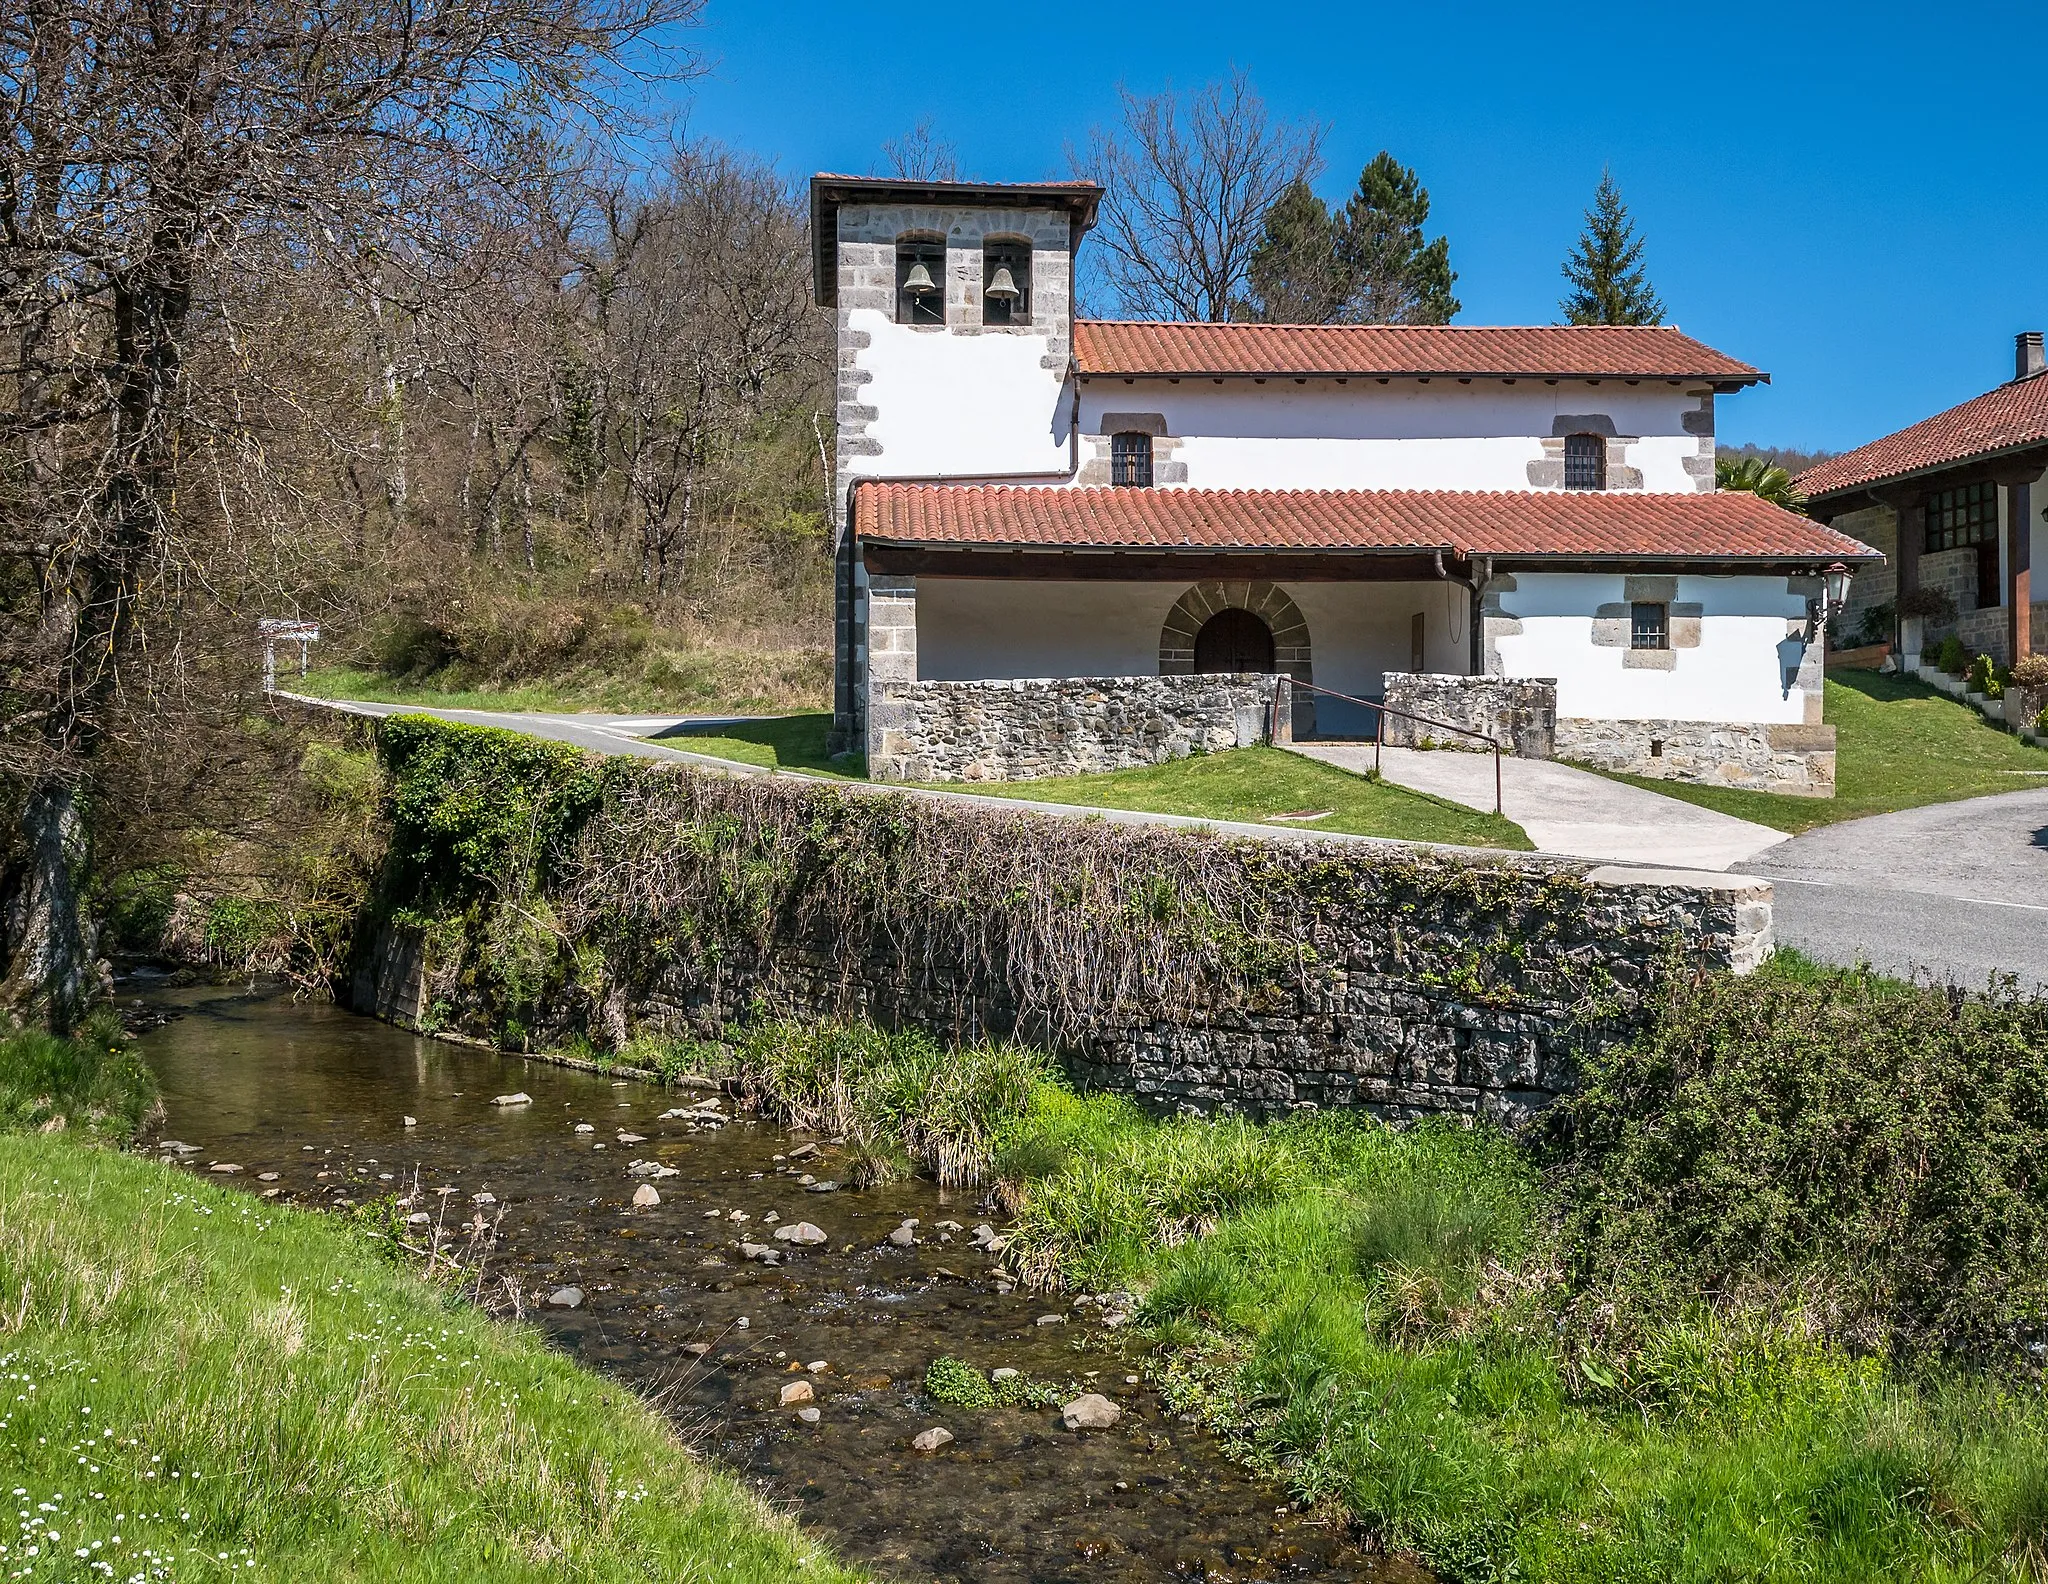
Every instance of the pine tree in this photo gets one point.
(1367, 264)
(1609, 285)
(1395, 277)
(1294, 276)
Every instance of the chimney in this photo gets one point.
(2026, 354)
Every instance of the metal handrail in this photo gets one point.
(1379, 728)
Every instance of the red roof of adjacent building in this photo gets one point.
(1134, 348)
(2013, 416)
(1569, 523)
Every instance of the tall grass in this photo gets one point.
(93, 1082)
(1381, 1318)
(891, 1091)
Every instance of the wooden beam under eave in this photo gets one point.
(1154, 566)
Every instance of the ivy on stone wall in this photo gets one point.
(587, 888)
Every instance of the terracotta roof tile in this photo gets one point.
(1127, 347)
(2013, 415)
(1535, 523)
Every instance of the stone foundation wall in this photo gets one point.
(1798, 760)
(1018, 730)
(1517, 714)
(1261, 975)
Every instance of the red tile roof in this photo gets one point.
(1126, 347)
(1477, 522)
(2005, 419)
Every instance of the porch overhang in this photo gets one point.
(1383, 534)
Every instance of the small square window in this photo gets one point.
(1585, 462)
(1649, 625)
(1130, 459)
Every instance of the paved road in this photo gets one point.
(1957, 890)
(1568, 810)
(614, 734)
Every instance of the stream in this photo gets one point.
(672, 1308)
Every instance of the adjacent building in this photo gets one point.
(1070, 544)
(1956, 504)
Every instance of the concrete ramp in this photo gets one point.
(1565, 809)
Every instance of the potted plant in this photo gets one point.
(2026, 694)
(1917, 607)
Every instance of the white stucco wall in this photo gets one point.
(976, 628)
(1403, 435)
(948, 404)
(970, 629)
(1737, 673)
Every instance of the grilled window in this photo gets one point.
(1649, 625)
(1965, 516)
(921, 281)
(1006, 283)
(1130, 459)
(1585, 462)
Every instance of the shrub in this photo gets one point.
(1952, 657)
(1984, 677)
(2030, 671)
(1877, 622)
(1863, 1148)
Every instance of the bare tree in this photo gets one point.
(922, 155)
(164, 166)
(1190, 181)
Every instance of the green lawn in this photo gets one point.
(1254, 784)
(784, 742)
(203, 1386)
(1900, 744)
(1250, 784)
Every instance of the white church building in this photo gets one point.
(1072, 545)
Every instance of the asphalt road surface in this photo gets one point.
(1956, 890)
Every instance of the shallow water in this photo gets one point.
(318, 1096)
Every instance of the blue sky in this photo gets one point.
(1852, 197)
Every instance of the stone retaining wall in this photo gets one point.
(1202, 972)
(1519, 715)
(1797, 760)
(1015, 730)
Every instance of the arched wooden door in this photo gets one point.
(1232, 641)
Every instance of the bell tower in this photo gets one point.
(954, 305)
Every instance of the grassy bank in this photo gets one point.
(1764, 1301)
(203, 1386)
(1900, 744)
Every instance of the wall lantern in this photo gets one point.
(1835, 580)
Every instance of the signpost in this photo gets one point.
(275, 629)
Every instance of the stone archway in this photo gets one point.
(1264, 600)
(1268, 602)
